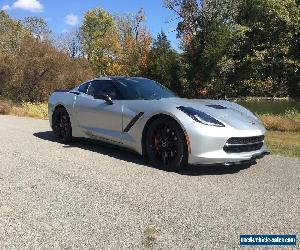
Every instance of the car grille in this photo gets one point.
(243, 144)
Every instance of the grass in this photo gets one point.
(284, 143)
(5, 107)
(289, 122)
(280, 123)
(283, 132)
(35, 110)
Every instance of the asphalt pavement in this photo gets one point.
(90, 196)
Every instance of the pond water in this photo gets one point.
(271, 106)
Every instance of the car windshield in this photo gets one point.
(142, 89)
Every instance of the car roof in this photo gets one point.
(117, 77)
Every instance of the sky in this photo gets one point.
(65, 15)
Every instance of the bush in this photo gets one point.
(36, 110)
(280, 123)
(33, 73)
(5, 107)
(292, 113)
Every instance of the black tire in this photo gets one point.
(166, 146)
(61, 125)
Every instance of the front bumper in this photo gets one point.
(207, 144)
(220, 157)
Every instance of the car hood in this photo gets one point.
(229, 113)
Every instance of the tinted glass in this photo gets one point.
(83, 87)
(106, 86)
(142, 89)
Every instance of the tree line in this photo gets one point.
(228, 48)
(236, 48)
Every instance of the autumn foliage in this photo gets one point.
(228, 49)
(116, 45)
(33, 68)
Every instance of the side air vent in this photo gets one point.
(216, 106)
(133, 121)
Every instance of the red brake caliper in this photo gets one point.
(66, 125)
(157, 144)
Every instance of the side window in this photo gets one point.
(106, 86)
(83, 87)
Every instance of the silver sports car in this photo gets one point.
(142, 115)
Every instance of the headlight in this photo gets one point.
(201, 117)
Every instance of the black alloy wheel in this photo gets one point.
(166, 145)
(61, 125)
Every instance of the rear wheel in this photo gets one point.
(61, 125)
(166, 144)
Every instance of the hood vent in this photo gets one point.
(216, 106)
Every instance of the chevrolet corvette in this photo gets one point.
(144, 116)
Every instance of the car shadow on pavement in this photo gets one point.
(215, 169)
(130, 156)
(98, 147)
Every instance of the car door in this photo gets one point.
(96, 117)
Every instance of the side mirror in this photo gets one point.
(103, 96)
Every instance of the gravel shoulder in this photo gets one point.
(89, 196)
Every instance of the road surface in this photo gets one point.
(89, 196)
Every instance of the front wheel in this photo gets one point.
(61, 125)
(166, 145)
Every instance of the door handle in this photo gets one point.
(75, 92)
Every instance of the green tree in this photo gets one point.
(12, 34)
(116, 45)
(164, 64)
(266, 61)
(100, 40)
(241, 47)
(205, 29)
